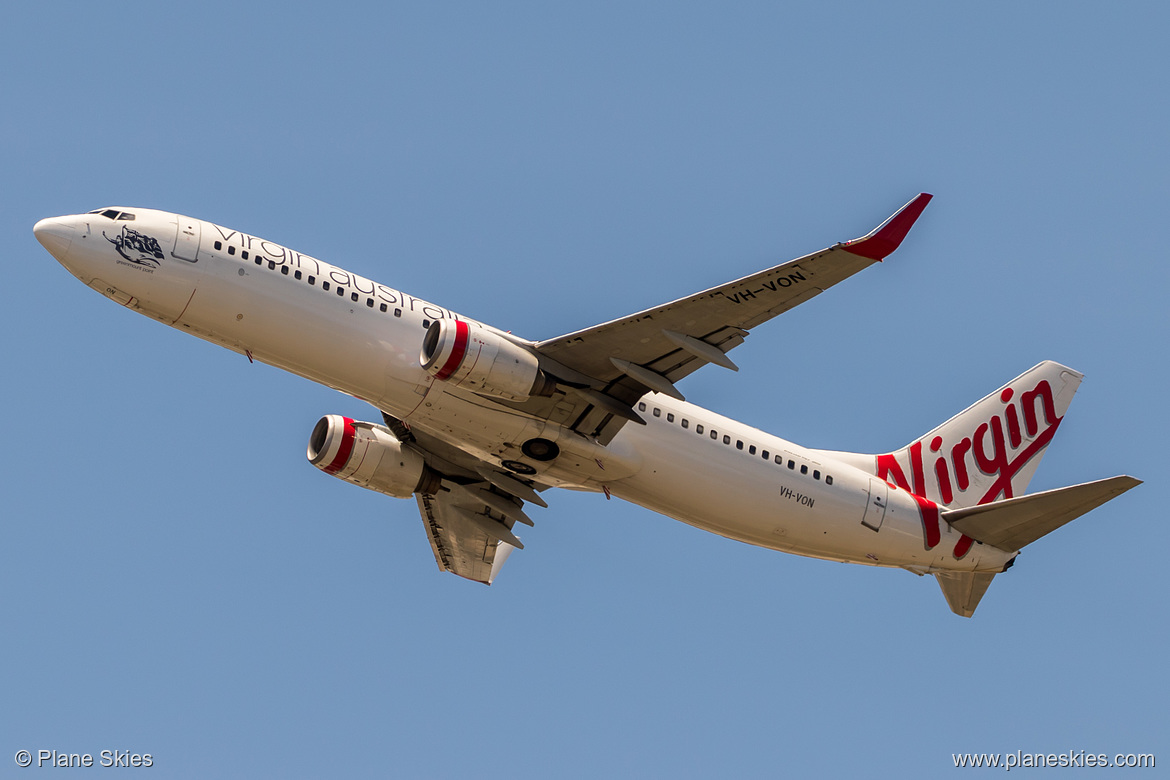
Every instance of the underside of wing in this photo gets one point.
(460, 543)
(470, 517)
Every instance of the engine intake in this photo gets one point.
(370, 456)
(482, 361)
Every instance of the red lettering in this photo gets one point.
(916, 468)
(1013, 422)
(1003, 483)
(929, 511)
(1013, 418)
(944, 481)
(997, 460)
(1043, 393)
(888, 468)
(1001, 458)
(962, 547)
(959, 462)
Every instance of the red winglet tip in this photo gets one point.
(888, 236)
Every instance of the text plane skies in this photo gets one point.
(476, 423)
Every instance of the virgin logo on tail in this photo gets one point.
(973, 463)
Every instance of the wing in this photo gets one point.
(615, 363)
(462, 544)
(469, 519)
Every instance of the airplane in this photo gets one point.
(476, 422)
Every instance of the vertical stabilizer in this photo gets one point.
(990, 450)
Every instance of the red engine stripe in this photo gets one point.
(452, 364)
(342, 457)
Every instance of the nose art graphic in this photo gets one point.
(136, 247)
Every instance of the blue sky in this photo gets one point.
(177, 580)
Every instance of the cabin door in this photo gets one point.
(875, 509)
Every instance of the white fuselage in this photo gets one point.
(362, 338)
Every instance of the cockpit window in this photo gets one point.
(114, 214)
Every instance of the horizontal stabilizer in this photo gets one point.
(1016, 522)
(963, 589)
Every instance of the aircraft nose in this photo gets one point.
(56, 235)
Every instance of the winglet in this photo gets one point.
(886, 237)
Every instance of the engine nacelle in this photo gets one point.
(370, 456)
(482, 361)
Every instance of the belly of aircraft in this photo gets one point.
(756, 502)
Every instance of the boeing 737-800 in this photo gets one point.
(476, 422)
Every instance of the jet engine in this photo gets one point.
(371, 456)
(481, 360)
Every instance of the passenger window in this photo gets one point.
(657, 412)
(828, 480)
(219, 245)
(685, 423)
(752, 450)
(340, 292)
(231, 250)
(353, 297)
(779, 460)
(324, 285)
(699, 429)
(259, 260)
(284, 270)
(816, 475)
(271, 265)
(296, 274)
(726, 439)
(739, 444)
(714, 434)
(244, 254)
(398, 312)
(670, 418)
(382, 308)
(312, 279)
(803, 468)
(792, 464)
(426, 323)
(370, 302)
(764, 455)
(641, 407)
